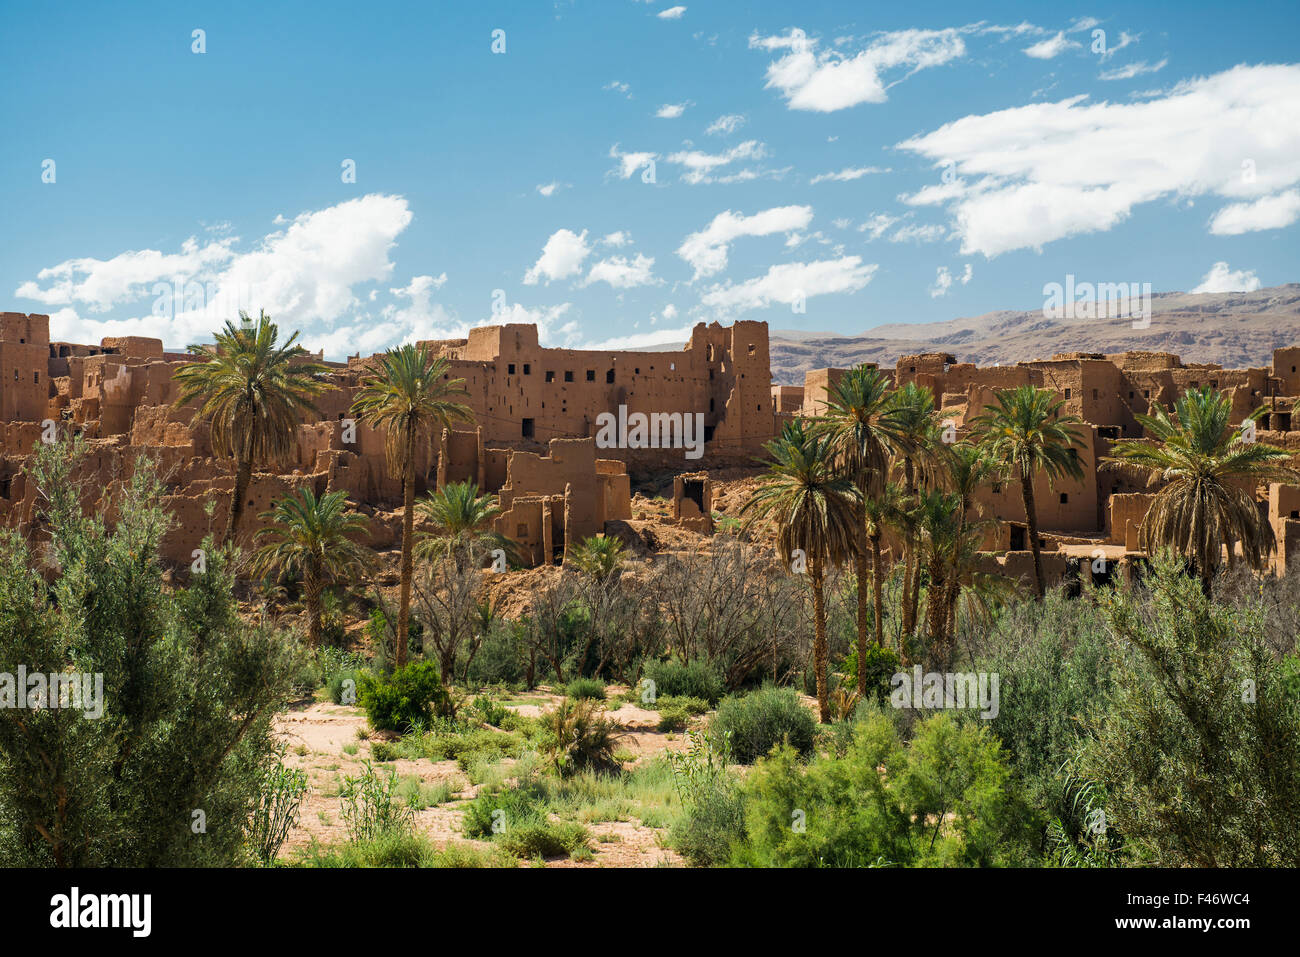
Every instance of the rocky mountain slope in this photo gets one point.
(1236, 330)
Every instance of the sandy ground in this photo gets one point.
(321, 736)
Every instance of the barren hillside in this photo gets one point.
(1236, 330)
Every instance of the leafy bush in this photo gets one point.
(712, 801)
(590, 689)
(277, 810)
(696, 679)
(580, 739)
(188, 689)
(543, 838)
(409, 696)
(691, 705)
(942, 799)
(758, 721)
(495, 810)
(673, 717)
(382, 751)
(371, 805)
(501, 658)
(490, 711)
(1199, 752)
(881, 665)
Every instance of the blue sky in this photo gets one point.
(815, 165)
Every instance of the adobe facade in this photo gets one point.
(532, 441)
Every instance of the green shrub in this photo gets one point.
(1198, 752)
(495, 810)
(688, 703)
(500, 659)
(383, 751)
(371, 805)
(758, 721)
(543, 839)
(276, 812)
(590, 689)
(696, 679)
(579, 738)
(881, 665)
(945, 798)
(490, 711)
(410, 695)
(713, 817)
(673, 717)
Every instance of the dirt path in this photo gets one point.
(323, 739)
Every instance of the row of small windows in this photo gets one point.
(36, 376)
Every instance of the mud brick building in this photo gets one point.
(532, 440)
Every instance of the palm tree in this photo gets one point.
(942, 538)
(311, 539)
(1209, 470)
(253, 390)
(408, 395)
(462, 520)
(1024, 433)
(886, 509)
(915, 444)
(812, 506)
(968, 469)
(599, 557)
(859, 424)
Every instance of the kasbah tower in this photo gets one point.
(533, 439)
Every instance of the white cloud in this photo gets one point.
(617, 240)
(670, 312)
(700, 165)
(706, 251)
(1222, 279)
(943, 281)
(629, 163)
(561, 257)
(877, 225)
(1267, 212)
(726, 124)
(1131, 70)
(619, 87)
(643, 340)
(846, 175)
(670, 111)
(302, 274)
(101, 284)
(828, 80)
(672, 13)
(1051, 47)
(1033, 174)
(789, 283)
(548, 189)
(621, 272)
(915, 232)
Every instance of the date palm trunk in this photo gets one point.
(1031, 520)
(408, 563)
(819, 640)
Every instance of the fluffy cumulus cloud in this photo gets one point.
(303, 274)
(620, 272)
(672, 13)
(824, 80)
(629, 163)
(1267, 212)
(791, 284)
(1221, 278)
(1034, 174)
(706, 251)
(562, 257)
(670, 111)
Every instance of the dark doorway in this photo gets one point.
(528, 428)
(1017, 538)
(694, 490)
